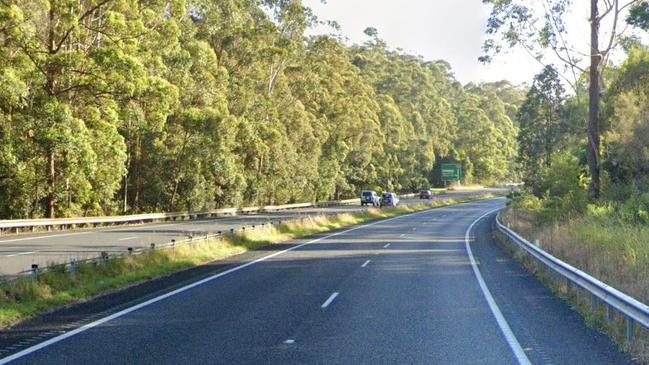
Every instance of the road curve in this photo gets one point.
(397, 291)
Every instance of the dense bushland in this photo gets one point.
(124, 106)
(607, 237)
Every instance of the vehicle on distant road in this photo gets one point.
(370, 197)
(426, 194)
(389, 199)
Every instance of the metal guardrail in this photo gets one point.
(192, 237)
(17, 225)
(632, 309)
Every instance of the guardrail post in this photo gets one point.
(630, 327)
(73, 269)
(593, 302)
(130, 250)
(34, 275)
(231, 230)
(152, 246)
(609, 313)
(173, 243)
(104, 256)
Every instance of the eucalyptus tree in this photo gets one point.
(540, 27)
(76, 58)
(542, 126)
(627, 115)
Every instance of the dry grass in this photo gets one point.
(21, 299)
(615, 252)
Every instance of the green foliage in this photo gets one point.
(639, 15)
(627, 119)
(543, 128)
(564, 190)
(636, 209)
(526, 202)
(565, 187)
(123, 106)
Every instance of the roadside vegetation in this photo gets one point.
(583, 143)
(123, 106)
(21, 299)
(606, 235)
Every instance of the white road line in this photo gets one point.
(513, 343)
(386, 246)
(366, 263)
(20, 254)
(140, 226)
(43, 237)
(89, 232)
(99, 322)
(289, 341)
(401, 235)
(127, 238)
(328, 301)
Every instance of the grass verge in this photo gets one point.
(22, 299)
(613, 251)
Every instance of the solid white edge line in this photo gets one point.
(43, 237)
(513, 343)
(20, 254)
(329, 300)
(138, 226)
(136, 307)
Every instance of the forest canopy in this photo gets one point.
(125, 106)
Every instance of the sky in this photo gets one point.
(452, 30)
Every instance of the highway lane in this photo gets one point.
(396, 291)
(19, 252)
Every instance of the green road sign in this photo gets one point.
(451, 172)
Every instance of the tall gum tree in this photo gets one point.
(540, 27)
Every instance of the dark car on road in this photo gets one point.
(426, 194)
(370, 197)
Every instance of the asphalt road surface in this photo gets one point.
(19, 252)
(399, 291)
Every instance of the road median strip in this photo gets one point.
(24, 298)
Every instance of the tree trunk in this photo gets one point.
(593, 105)
(51, 199)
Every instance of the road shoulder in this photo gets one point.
(550, 331)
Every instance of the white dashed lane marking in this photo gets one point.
(328, 301)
